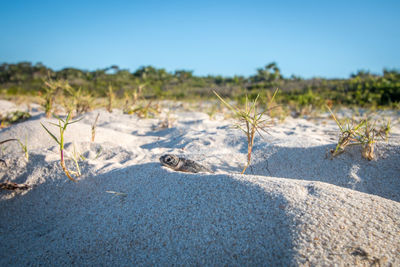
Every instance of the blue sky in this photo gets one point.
(306, 38)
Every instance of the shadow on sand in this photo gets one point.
(164, 218)
(378, 177)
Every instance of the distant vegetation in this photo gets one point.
(362, 89)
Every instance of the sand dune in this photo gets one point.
(294, 206)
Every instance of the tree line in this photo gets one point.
(361, 88)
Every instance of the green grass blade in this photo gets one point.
(55, 124)
(361, 124)
(254, 104)
(273, 97)
(68, 117)
(75, 121)
(334, 117)
(240, 127)
(59, 118)
(52, 135)
(234, 109)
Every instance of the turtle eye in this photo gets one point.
(168, 159)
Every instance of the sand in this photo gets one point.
(294, 206)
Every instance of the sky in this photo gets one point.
(330, 39)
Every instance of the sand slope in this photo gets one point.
(293, 207)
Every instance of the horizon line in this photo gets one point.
(131, 70)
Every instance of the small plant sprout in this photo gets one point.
(349, 134)
(361, 133)
(384, 131)
(166, 123)
(249, 121)
(13, 117)
(94, 127)
(144, 111)
(98, 152)
(75, 157)
(62, 125)
(23, 146)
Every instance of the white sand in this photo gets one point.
(294, 206)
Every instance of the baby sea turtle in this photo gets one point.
(181, 164)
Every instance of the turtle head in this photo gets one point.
(169, 160)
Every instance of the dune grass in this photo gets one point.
(94, 127)
(13, 117)
(249, 121)
(370, 135)
(79, 100)
(363, 133)
(62, 125)
(350, 134)
(24, 147)
(51, 88)
(143, 110)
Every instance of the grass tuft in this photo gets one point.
(81, 101)
(363, 133)
(249, 121)
(62, 125)
(13, 117)
(144, 111)
(51, 88)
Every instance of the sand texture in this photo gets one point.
(294, 206)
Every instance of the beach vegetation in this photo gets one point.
(110, 97)
(62, 126)
(250, 121)
(81, 102)
(370, 135)
(362, 132)
(350, 134)
(94, 125)
(143, 110)
(167, 122)
(23, 146)
(298, 95)
(51, 89)
(13, 117)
